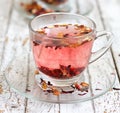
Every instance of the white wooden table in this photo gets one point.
(106, 14)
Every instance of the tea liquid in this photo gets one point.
(62, 51)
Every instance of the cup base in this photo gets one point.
(59, 83)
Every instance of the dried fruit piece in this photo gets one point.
(56, 92)
(116, 88)
(77, 86)
(82, 94)
(36, 72)
(44, 85)
(84, 84)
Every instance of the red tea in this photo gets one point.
(62, 51)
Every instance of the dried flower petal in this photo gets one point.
(116, 88)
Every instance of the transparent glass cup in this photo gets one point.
(61, 61)
(57, 5)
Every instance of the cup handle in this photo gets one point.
(97, 54)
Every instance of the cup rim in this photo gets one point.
(55, 13)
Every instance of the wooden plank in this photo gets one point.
(40, 107)
(84, 107)
(92, 107)
(4, 21)
(4, 15)
(37, 106)
(110, 12)
(108, 103)
(32, 106)
(112, 96)
(5, 94)
(11, 102)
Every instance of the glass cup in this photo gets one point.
(60, 54)
(56, 5)
(31, 8)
